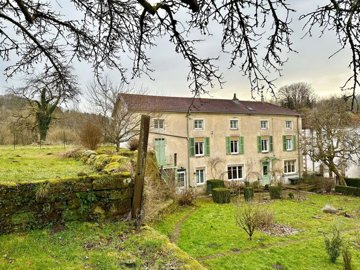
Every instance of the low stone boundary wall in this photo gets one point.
(35, 205)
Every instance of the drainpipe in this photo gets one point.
(188, 154)
(298, 145)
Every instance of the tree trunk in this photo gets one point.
(335, 170)
(43, 122)
(117, 146)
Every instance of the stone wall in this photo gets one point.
(36, 205)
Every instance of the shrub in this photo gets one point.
(248, 193)
(333, 243)
(291, 196)
(266, 187)
(133, 144)
(187, 197)
(255, 184)
(348, 190)
(346, 258)
(247, 218)
(266, 219)
(234, 186)
(214, 183)
(275, 192)
(353, 182)
(221, 195)
(90, 136)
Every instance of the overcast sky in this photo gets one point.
(310, 64)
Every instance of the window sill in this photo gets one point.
(200, 184)
(290, 173)
(199, 155)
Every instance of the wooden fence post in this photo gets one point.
(140, 167)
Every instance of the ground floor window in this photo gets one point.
(235, 172)
(200, 176)
(181, 178)
(289, 166)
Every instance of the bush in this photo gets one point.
(255, 184)
(248, 218)
(214, 183)
(291, 196)
(333, 243)
(353, 182)
(133, 144)
(348, 190)
(248, 193)
(346, 258)
(266, 219)
(275, 192)
(187, 197)
(90, 136)
(266, 187)
(221, 195)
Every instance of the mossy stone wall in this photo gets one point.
(36, 205)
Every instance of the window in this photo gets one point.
(200, 176)
(264, 124)
(198, 124)
(289, 144)
(234, 124)
(235, 172)
(159, 123)
(234, 146)
(199, 148)
(265, 144)
(181, 178)
(288, 124)
(289, 166)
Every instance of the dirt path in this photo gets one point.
(175, 235)
(252, 249)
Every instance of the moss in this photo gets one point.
(22, 218)
(101, 161)
(118, 158)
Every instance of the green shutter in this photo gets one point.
(227, 142)
(294, 142)
(191, 147)
(271, 143)
(259, 144)
(207, 146)
(284, 143)
(241, 145)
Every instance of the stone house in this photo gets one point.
(199, 139)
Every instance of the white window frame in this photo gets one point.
(183, 173)
(286, 166)
(157, 122)
(236, 143)
(288, 124)
(266, 122)
(237, 176)
(236, 121)
(197, 174)
(199, 121)
(289, 144)
(265, 142)
(199, 148)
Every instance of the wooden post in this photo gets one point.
(140, 167)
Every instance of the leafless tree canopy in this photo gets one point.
(106, 32)
(296, 96)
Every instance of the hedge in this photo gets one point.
(221, 195)
(353, 182)
(248, 193)
(214, 183)
(355, 191)
(275, 192)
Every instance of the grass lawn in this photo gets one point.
(207, 231)
(92, 246)
(28, 163)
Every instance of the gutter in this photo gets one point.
(188, 154)
(298, 146)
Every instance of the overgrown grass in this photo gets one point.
(92, 246)
(211, 235)
(29, 163)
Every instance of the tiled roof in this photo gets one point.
(204, 105)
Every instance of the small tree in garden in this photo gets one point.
(333, 243)
(90, 136)
(248, 218)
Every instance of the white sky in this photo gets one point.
(310, 64)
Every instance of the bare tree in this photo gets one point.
(296, 96)
(105, 32)
(336, 136)
(118, 123)
(44, 93)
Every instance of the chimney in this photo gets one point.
(235, 99)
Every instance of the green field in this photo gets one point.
(208, 232)
(27, 163)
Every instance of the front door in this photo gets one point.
(160, 151)
(265, 173)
